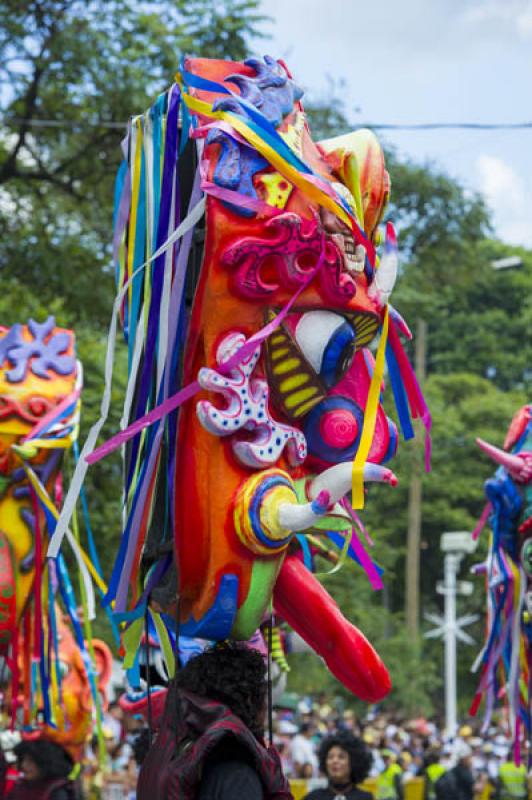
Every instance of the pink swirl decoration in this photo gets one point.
(293, 246)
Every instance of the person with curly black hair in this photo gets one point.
(346, 761)
(45, 768)
(210, 745)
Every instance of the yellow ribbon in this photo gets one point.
(131, 641)
(87, 629)
(40, 491)
(164, 641)
(370, 417)
(342, 557)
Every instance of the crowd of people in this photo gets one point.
(43, 769)
(317, 740)
(401, 749)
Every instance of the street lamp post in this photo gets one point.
(450, 570)
(455, 545)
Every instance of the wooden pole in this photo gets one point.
(415, 501)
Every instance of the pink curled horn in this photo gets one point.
(515, 464)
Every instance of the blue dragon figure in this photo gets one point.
(506, 655)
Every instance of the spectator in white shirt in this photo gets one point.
(303, 751)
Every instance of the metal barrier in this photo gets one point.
(413, 788)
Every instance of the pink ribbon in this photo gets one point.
(479, 527)
(358, 522)
(54, 414)
(416, 401)
(365, 561)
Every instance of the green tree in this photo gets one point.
(72, 73)
(479, 319)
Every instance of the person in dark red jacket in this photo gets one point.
(45, 767)
(211, 742)
(3, 773)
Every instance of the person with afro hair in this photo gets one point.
(346, 761)
(210, 745)
(45, 768)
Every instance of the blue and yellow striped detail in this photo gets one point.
(256, 513)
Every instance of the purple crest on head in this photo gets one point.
(41, 356)
(272, 93)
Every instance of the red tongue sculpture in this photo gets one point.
(347, 653)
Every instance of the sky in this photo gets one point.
(426, 61)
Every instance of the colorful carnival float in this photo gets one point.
(504, 661)
(53, 679)
(253, 289)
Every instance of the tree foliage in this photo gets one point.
(73, 71)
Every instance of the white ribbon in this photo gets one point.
(134, 368)
(87, 582)
(162, 350)
(90, 443)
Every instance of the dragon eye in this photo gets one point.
(526, 556)
(328, 343)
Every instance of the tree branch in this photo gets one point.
(9, 168)
(96, 141)
(43, 175)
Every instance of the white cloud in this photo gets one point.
(508, 197)
(524, 23)
(500, 184)
(499, 17)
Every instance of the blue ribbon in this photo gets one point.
(339, 541)
(69, 600)
(307, 555)
(124, 541)
(53, 628)
(399, 394)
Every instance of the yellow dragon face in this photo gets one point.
(38, 371)
(40, 383)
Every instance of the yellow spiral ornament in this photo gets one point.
(256, 512)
